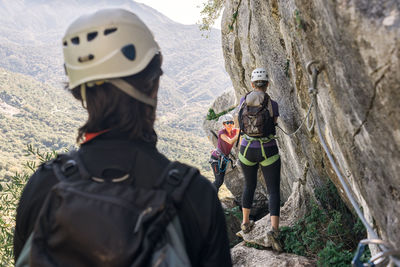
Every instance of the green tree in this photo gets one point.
(210, 13)
(10, 194)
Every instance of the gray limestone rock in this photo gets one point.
(224, 102)
(243, 256)
(358, 92)
(233, 220)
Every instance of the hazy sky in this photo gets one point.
(182, 11)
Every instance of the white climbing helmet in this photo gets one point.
(107, 44)
(225, 118)
(259, 74)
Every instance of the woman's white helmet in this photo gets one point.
(225, 118)
(259, 74)
(108, 44)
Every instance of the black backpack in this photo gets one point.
(88, 221)
(257, 121)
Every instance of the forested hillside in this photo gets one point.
(35, 109)
(31, 32)
(34, 113)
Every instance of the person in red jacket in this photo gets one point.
(220, 156)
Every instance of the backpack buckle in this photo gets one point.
(69, 167)
(174, 177)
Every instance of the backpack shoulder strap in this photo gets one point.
(176, 178)
(268, 103)
(244, 100)
(240, 114)
(23, 259)
(67, 165)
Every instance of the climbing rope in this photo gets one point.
(387, 250)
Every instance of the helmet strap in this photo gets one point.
(133, 92)
(83, 95)
(123, 86)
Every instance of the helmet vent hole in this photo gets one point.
(86, 58)
(75, 40)
(129, 52)
(91, 36)
(65, 43)
(109, 31)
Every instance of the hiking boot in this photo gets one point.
(273, 237)
(246, 227)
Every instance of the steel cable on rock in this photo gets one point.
(383, 245)
(307, 117)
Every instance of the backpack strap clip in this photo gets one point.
(173, 177)
(68, 165)
(177, 177)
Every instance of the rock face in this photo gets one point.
(243, 256)
(225, 101)
(233, 220)
(358, 91)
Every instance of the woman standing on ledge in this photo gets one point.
(257, 119)
(220, 156)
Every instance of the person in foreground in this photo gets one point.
(105, 205)
(257, 118)
(220, 156)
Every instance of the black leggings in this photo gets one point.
(219, 175)
(272, 177)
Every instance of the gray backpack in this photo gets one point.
(256, 118)
(90, 222)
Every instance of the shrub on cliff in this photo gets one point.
(329, 232)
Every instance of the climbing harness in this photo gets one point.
(222, 161)
(387, 250)
(263, 140)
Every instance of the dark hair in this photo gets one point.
(261, 84)
(110, 108)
